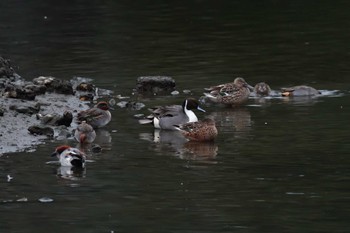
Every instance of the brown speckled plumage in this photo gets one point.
(235, 93)
(204, 130)
(262, 89)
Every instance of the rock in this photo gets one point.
(55, 85)
(56, 119)
(131, 105)
(175, 93)
(26, 108)
(6, 70)
(96, 148)
(155, 84)
(41, 130)
(88, 87)
(2, 111)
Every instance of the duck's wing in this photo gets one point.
(166, 111)
(91, 114)
(229, 89)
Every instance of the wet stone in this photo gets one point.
(45, 200)
(155, 84)
(88, 87)
(41, 130)
(26, 108)
(96, 148)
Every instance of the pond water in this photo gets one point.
(278, 165)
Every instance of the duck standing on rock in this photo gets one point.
(235, 93)
(98, 116)
(84, 133)
(165, 117)
(201, 131)
(69, 156)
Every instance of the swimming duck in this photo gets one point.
(84, 133)
(300, 91)
(235, 93)
(201, 131)
(165, 117)
(98, 116)
(262, 89)
(69, 156)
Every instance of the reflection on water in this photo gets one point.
(237, 120)
(175, 142)
(71, 173)
(200, 151)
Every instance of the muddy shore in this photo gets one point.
(29, 109)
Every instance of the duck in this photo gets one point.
(234, 93)
(69, 156)
(262, 89)
(98, 116)
(84, 133)
(201, 131)
(301, 90)
(165, 117)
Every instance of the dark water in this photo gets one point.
(277, 166)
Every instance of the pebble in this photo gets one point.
(45, 200)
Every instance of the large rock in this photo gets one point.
(155, 84)
(6, 71)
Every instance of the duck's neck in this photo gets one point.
(191, 116)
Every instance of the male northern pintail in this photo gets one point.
(165, 117)
(235, 93)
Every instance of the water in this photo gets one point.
(278, 165)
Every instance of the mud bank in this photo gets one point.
(25, 105)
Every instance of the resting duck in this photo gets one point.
(300, 91)
(262, 89)
(235, 93)
(84, 133)
(98, 116)
(204, 130)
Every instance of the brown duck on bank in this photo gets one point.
(300, 91)
(235, 93)
(98, 116)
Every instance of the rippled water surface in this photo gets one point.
(278, 165)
